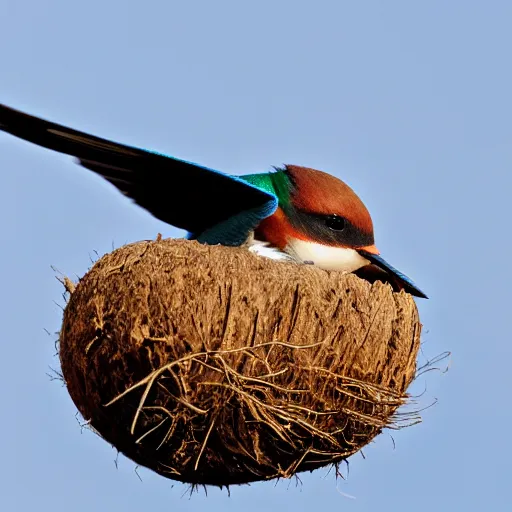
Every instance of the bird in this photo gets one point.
(291, 213)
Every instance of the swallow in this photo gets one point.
(292, 213)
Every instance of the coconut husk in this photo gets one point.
(211, 365)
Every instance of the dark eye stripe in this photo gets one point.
(317, 228)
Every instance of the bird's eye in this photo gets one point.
(335, 222)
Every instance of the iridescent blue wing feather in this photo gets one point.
(216, 207)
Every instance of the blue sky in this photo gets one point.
(408, 102)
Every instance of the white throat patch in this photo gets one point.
(267, 250)
(326, 256)
(322, 256)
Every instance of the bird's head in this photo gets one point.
(320, 220)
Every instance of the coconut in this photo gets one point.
(211, 365)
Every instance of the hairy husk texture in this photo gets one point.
(211, 365)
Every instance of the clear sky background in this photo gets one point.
(409, 102)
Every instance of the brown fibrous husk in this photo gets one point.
(211, 365)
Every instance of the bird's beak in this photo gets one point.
(386, 272)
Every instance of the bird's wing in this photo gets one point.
(216, 207)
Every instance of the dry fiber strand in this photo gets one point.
(211, 365)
